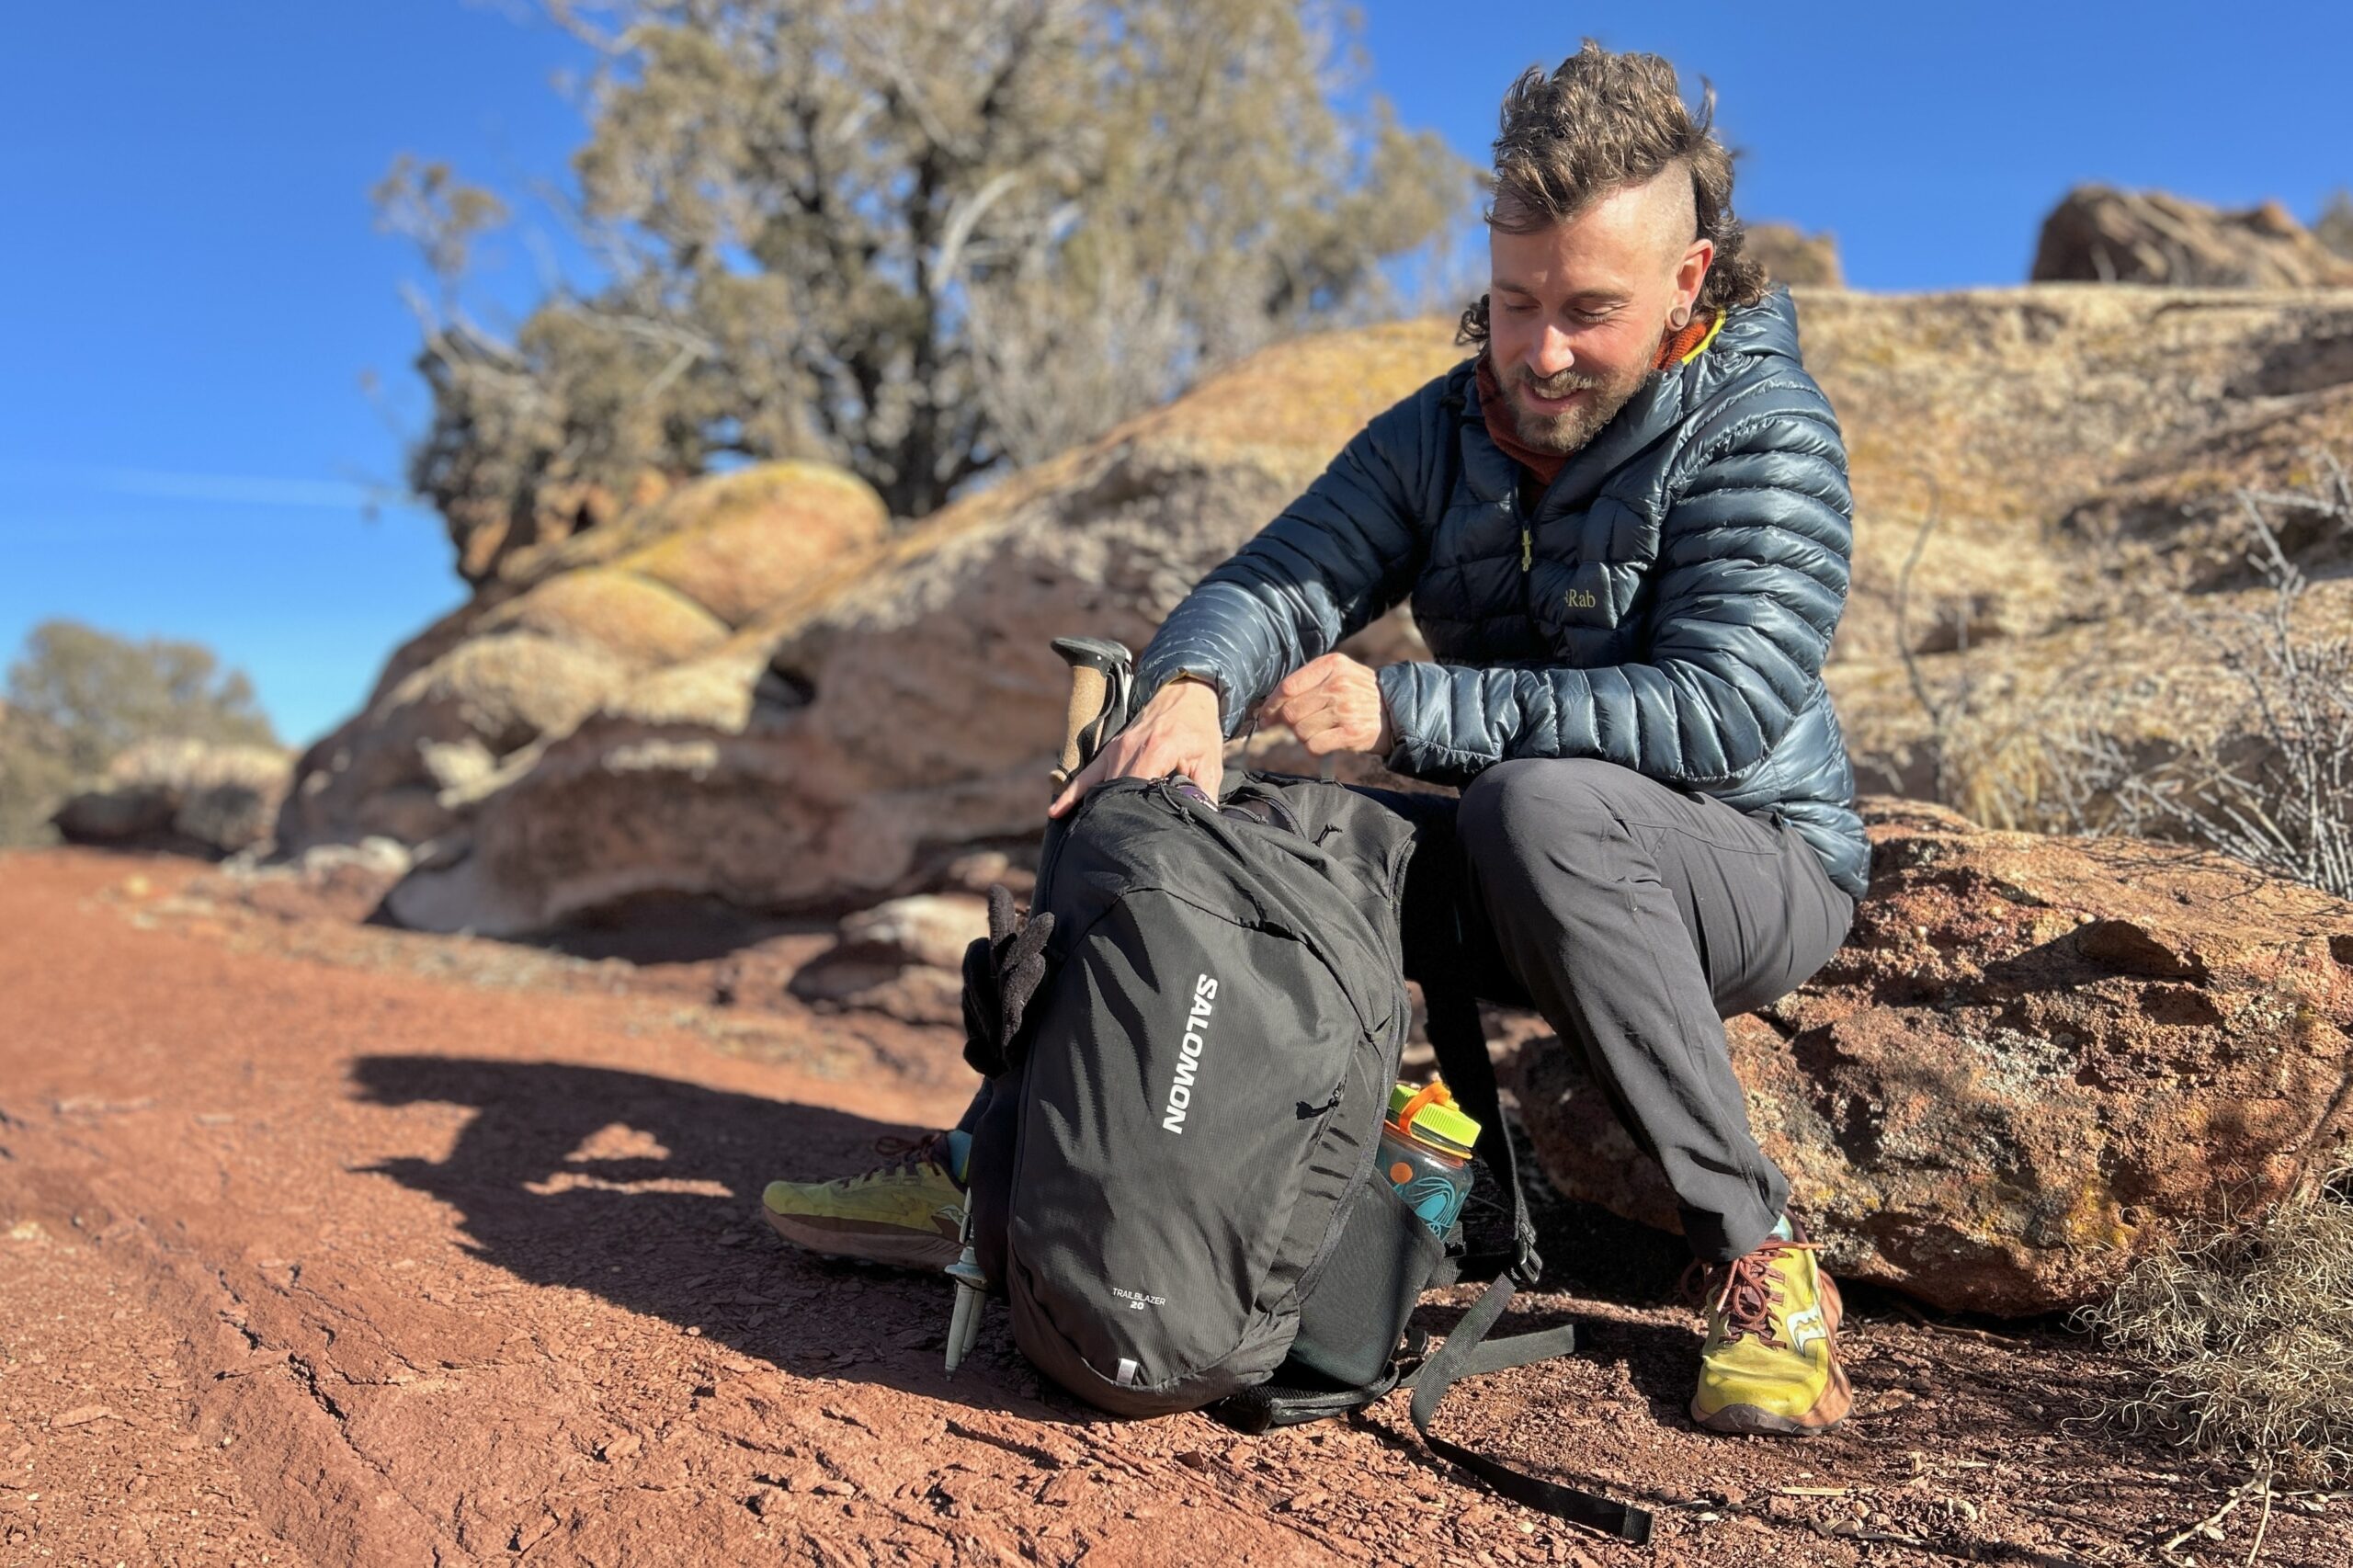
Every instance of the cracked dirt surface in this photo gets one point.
(326, 1244)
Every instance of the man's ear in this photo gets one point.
(1691, 275)
(1695, 267)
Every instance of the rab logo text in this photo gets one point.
(1579, 598)
(1189, 1055)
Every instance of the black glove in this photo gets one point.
(1001, 973)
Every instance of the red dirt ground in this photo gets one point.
(321, 1244)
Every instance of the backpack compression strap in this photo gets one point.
(1467, 1352)
(1460, 1042)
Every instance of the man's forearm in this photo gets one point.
(1672, 722)
(1222, 636)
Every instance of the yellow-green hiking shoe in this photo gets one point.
(1770, 1363)
(908, 1212)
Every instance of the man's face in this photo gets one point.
(1576, 310)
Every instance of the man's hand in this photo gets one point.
(1331, 704)
(1177, 732)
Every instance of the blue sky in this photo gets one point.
(193, 290)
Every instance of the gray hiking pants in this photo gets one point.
(1635, 917)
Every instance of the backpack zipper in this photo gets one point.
(1359, 1179)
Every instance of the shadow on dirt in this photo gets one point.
(652, 929)
(645, 1192)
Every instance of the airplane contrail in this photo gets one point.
(243, 490)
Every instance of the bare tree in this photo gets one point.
(2334, 228)
(79, 696)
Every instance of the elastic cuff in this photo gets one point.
(1715, 1238)
(1149, 685)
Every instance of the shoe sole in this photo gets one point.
(895, 1252)
(1748, 1421)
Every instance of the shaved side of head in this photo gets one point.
(1674, 213)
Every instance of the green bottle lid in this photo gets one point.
(1437, 1124)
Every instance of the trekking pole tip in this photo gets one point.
(964, 1319)
(959, 1322)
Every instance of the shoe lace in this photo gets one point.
(907, 1156)
(1745, 1289)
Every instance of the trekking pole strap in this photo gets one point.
(1460, 1357)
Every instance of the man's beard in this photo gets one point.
(1570, 429)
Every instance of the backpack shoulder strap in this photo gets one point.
(1460, 1041)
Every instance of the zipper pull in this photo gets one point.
(1527, 547)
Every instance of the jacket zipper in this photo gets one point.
(1526, 548)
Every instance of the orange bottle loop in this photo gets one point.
(1428, 1116)
(1434, 1093)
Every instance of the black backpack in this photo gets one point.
(1189, 1047)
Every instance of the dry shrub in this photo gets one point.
(2245, 1337)
(2274, 792)
(1997, 764)
(1990, 745)
(2269, 782)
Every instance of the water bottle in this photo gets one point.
(1426, 1147)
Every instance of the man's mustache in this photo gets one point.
(1558, 386)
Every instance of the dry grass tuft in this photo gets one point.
(2246, 1338)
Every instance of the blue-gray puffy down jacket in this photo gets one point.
(1666, 604)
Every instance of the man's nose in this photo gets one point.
(1552, 353)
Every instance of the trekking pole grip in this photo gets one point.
(1088, 687)
(1102, 677)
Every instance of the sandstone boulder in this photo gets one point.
(2071, 450)
(2101, 235)
(903, 957)
(332, 881)
(182, 797)
(2033, 1060)
(1792, 256)
(562, 628)
(927, 929)
(860, 732)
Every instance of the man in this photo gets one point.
(1624, 528)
